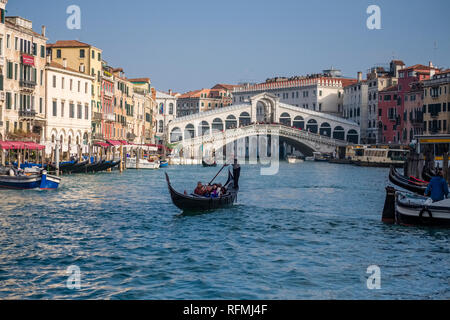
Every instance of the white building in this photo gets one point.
(321, 93)
(166, 113)
(67, 109)
(356, 105)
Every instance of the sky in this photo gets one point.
(186, 45)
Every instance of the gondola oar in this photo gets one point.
(225, 165)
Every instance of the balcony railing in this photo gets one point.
(27, 113)
(27, 84)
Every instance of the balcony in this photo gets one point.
(98, 116)
(97, 136)
(29, 114)
(110, 117)
(27, 85)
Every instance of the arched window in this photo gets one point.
(299, 122)
(161, 126)
(230, 122)
(176, 135)
(352, 136)
(171, 108)
(189, 131)
(325, 129)
(285, 119)
(217, 124)
(339, 133)
(312, 126)
(244, 119)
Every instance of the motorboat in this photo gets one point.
(142, 164)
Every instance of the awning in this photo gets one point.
(123, 142)
(114, 142)
(15, 145)
(103, 144)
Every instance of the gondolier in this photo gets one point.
(236, 173)
(437, 188)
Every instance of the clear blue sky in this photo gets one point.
(191, 44)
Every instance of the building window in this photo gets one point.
(54, 109)
(79, 113)
(62, 83)
(58, 54)
(71, 111)
(41, 108)
(54, 81)
(86, 112)
(62, 109)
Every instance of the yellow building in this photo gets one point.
(86, 59)
(436, 101)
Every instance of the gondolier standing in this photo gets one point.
(236, 173)
(437, 188)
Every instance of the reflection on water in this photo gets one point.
(311, 231)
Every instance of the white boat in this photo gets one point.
(309, 159)
(294, 159)
(143, 164)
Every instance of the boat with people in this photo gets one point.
(194, 202)
(142, 164)
(294, 159)
(12, 178)
(407, 208)
(367, 156)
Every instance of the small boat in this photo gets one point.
(198, 203)
(163, 163)
(15, 180)
(309, 159)
(319, 157)
(143, 164)
(406, 183)
(209, 163)
(294, 159)
(411, 209)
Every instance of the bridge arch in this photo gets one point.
(285, 119)
(312, 126)
(230, 122)
(339, 133)
(217, 124)
(176, 135)
(352, 136)
(204, 127)
(299, 122)
(189, 131)
(325, 129)
(244, 119)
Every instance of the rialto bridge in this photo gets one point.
(263, 114)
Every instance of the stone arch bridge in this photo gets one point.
(306, 130)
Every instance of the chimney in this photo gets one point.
(170, 91)
(430, 64)
(43, 31)
(65, 63)
(359, 76)
(49, 59)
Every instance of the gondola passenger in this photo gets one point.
(200, 190)
(437, 188)
(214, 193)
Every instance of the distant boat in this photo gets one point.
(209, 163)
(143, 164)
(319, 157)
(294, 159)
(10, 179)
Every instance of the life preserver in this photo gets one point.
(430, 216)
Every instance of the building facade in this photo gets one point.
(166, 113)
(23, 80)
(321, 92)
(67, 109)
(86, 59)
(203, 100)
(355, 106)
(436, 103)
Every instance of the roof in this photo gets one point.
(60, 66)
(398, 62)
(390, 89)
(139, 80)
(163, 95)
(68, 44)
(225, 86)
(419, 67)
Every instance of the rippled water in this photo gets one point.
(309, 232)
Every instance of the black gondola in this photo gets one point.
(192, 203)
(106, 165)
(405, 183)
(77, 167)
(205, 164)
(93, 167)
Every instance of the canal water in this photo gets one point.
(308, 232)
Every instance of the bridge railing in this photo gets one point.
(263, 129)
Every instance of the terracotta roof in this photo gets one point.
(226, 86)
(68, 44)
(139, 80)
(398, 62)
(419, 67)
(60, 66)
(390, 89)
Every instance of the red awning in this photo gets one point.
(123, 142)
(5, 145)
(103, 144)
(33, 146)
(114, 142)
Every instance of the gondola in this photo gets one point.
(193, 203)
(205, 164)
(93, 167)
(78, 167)
(64, 167)
(405, 183)
(106, 165)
